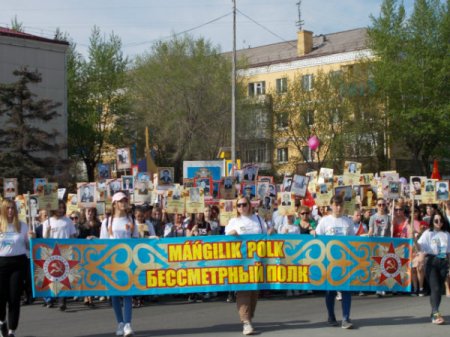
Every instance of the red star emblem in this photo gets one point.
(56, 268)
(390, 265)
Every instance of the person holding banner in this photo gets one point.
(14, 245)
(58, 226)
(120, 226)
(338, 225)
(246, 223)
(435, 243)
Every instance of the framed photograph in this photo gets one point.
(352, 173)
(206, 184)
(113, 186)
(286, 203)
(238, 176)
(442, 191)
(214, 169)
(272, 190)
(48, 197)
(394, 189)
(195, 201)
(287, 182)
(386, 177)
(38, 184)
(227, 211)
(416, 186)
(250, 173)
(9, 187)
(101, 190)
(249, 190)
(101, 208)
(299, 185)
(262, 189)
(325, 175)
(128, 184)
(368, 196)
(123, 159)
(104, 171)
(165, 176)
(175, 200)
(323, 192)
(312, 181)
(87, 194)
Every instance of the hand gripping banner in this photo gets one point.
(79, 267)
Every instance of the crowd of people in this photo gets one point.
(429, 229)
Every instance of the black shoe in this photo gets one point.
(63, 307)
(332, 322)
(4, 329)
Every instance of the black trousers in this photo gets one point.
(436, 270)
(12, 273)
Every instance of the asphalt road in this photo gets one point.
(276, 316)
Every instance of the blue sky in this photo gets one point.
(139, 23)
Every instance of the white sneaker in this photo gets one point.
(339, 296)
(127, 331)
(248, 329)
(119, 331)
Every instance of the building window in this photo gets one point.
(281, 85)
(282, 120)
(309, 117)
(256, 155)
(257, 88)
(308, 82)
(282, 155)
(307, 154)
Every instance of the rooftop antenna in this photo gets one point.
(300, 22)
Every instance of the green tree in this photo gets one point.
(27, 149)
(411, 74)
(97, 100)
(304, 111)
(181, 91)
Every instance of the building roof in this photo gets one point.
(21, 35)
(324, 44)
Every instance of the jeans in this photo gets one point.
(436, 270)
(125, 316)
(330, 297)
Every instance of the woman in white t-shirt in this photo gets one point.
(435, 243)
(120, 226)
(246, 223)
(14, 245)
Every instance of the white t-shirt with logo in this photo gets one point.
(330, 225)
(247, 225)
(13, 243)
(435, 243)
(60, 228)
(121, 228)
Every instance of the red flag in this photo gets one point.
(308, 200)
(360, 229)
(435, 174)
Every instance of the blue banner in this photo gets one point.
(77, 267)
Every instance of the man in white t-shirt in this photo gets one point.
(59, 226)
(337, 225)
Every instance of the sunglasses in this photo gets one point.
(381, 205)
(437, 221)
(244, 204)
(304, 213)
(74, 217)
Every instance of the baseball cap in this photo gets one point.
(119, 196)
